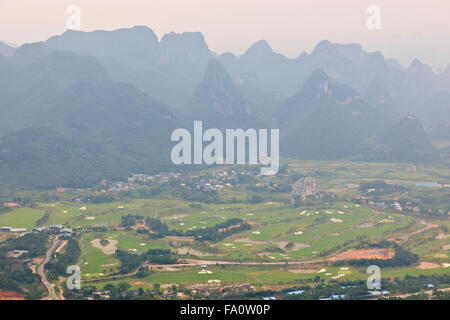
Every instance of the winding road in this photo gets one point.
(41, 271)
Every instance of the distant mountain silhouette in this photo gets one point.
(64, 122)
(168, 70)
(217, 101)
(6, 50)
(171, 69)
(407, 140)
(83, 106)
(327, 120)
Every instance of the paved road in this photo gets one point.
(51, 291)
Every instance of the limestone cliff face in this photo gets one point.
(305, 189)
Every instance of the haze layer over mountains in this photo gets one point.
(83, 106)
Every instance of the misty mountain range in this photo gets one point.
(83, 106)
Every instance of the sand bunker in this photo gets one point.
(248, 240)
(366, 225)
(302, 270)
(296, 245)
(109, 249)
(205, 272)
(428, 265)
(175, 216)
(338, 276)
(214, 281)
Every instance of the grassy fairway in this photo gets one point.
(21, 218)
(99, 263)
(93, 261)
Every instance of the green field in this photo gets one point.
(314, 231)
(21, 218)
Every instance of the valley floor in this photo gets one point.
(283, 247)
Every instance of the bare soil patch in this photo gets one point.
(9, 295)
(357, 254)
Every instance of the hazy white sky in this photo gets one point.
(290, 26)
